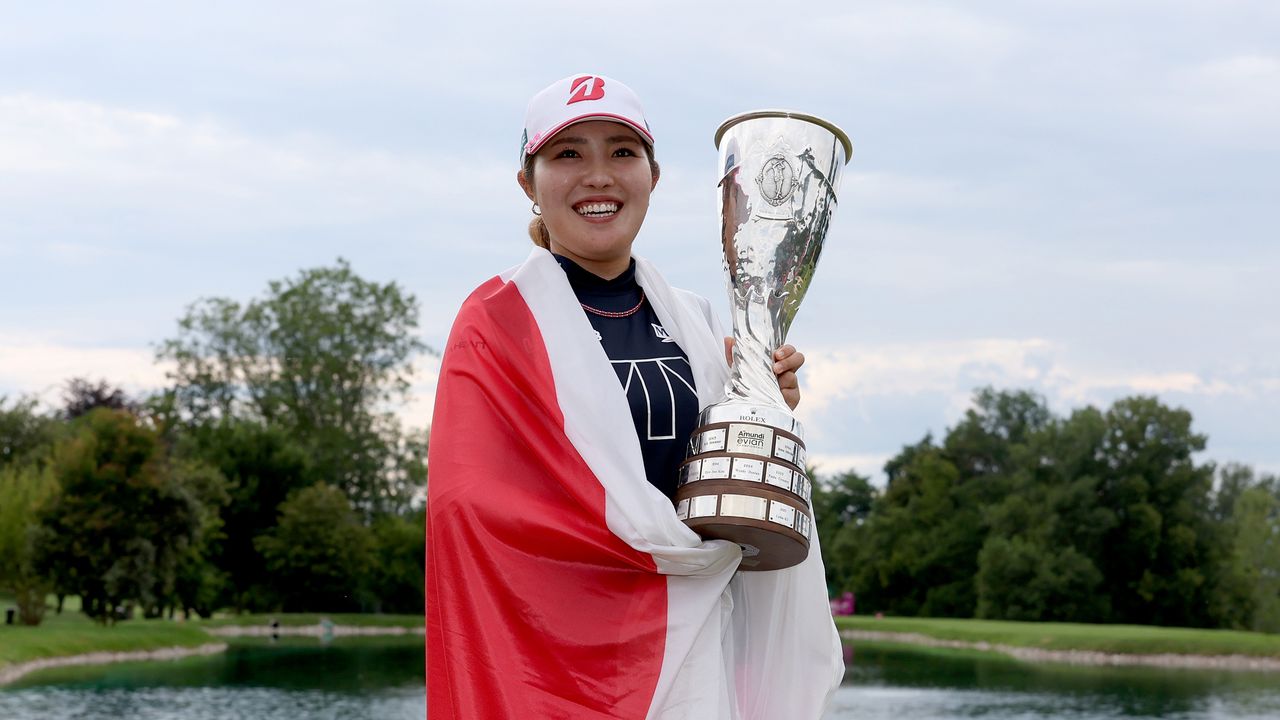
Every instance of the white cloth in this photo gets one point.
(740, 646)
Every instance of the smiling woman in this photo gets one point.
(567, 394)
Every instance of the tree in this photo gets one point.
(1247, 509)
(262, 465)
(917, 554)
(400, 563)
(841, 505)
(319, 552)
(125, 519)
(82, 396)
(1257, 553)
(1162, 558)
(993, 433)
(1022, 579)
(325, 356)
(26, 435)
(23, 490)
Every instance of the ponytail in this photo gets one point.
(538, 233)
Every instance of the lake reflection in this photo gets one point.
(888, 681)
(356, 679)
(382, 679)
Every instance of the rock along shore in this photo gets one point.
(13, 672)
(1080, 657)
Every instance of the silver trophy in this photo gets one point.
(744, 479)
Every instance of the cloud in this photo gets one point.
(41, 366)
(416, 413)
(1235, 99)
(203, 177)
(925, 31)
(833, 378)
(870, 465)
(955, 367)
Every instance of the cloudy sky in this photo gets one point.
(1077, 197)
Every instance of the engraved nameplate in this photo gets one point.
(779, 476)
(785, 450)
(711, 441)
(743, 506)
(745, 469)
(783, 514)
(715, 468)
(753, 439)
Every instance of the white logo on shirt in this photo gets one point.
(664, 393)
(661, 332)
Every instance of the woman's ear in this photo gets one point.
(657, 172)
(525, 185)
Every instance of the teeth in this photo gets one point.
(598, 209)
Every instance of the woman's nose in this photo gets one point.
(598, 175)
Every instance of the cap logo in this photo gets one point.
(587, 87)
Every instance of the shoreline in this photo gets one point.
(1079, 657)
(12, 673)
(317, 630)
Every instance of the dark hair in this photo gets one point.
(537, 228)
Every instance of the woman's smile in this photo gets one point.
(594, 210)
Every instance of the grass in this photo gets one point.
(1128, 639)
(72, 633)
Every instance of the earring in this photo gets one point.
(536, 210)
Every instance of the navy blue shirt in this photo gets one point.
(654, 371)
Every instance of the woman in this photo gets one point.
(560, 583)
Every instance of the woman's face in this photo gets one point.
(592, 182)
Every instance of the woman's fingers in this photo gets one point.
(787, 358)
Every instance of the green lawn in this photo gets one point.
(71, 633)
(1133, 639)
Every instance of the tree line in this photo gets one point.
(271, 474)
(1098, 516)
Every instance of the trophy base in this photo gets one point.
(766, 524)
(744, 481)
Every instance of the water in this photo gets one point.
(349, 679)
(895, 682)
(381, 679)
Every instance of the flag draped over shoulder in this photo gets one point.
(560, 583)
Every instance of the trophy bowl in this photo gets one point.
(744, 477)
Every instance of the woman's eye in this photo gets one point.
(624, 152)
(567, 154)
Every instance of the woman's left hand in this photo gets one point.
(786, 361)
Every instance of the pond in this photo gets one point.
(381, 679)
(886, 681)
(294, 678)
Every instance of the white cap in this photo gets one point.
(576, 99)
